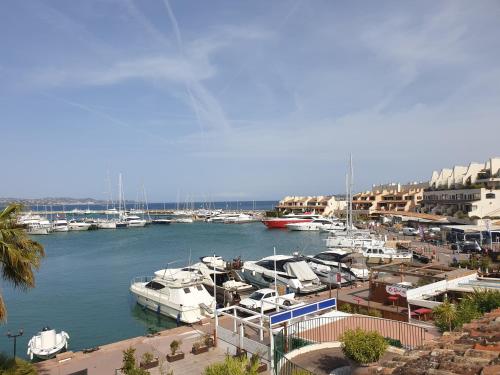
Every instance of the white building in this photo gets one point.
(324, 204)
(471, 193)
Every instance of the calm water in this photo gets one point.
(82, 286)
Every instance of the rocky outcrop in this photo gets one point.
(474, 351)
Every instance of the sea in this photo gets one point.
(82, 286)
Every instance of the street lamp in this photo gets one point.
(15, 336)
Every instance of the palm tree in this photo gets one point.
(445, 314)
(20, 256)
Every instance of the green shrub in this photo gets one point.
(17, 366)
(232, 366)
(363, 346)
(174, 346)
(485, 300)
(393, 342)
(346, 307)
(129, 366)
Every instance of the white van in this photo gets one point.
(410, 231)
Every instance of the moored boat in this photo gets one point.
(281, 222)
(47, 343)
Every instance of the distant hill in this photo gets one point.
(56, 201)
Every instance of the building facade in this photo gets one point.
(389, 197)
(327, 205)
(469, 193)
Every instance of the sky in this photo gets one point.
(242, 100)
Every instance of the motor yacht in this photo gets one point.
(281, 222)
(228, 284)
(134, 221)
(176, 293)
(357, 240)
(161, 221)
(291, 271)
(317, 224)
(184, 220)
(38, 229)
(106, 224)
(75, 225)
(239, 219)
(60, 225)
(352, 264)
(47, 343)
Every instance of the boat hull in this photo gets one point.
(282, 223)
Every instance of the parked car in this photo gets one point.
(467, 247)
(408, 231)
(266, 298)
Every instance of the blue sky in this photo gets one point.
(242, 99)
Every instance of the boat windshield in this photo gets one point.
(154, 285)
(256, 296)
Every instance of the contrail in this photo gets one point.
(202, 101)
(112, 119)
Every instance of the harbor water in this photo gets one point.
(82, 286)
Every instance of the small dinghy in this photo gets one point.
(47, 343)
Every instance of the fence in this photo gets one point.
(331, 329)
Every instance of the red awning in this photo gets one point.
(422, 311)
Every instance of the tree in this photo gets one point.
(445, 315)
(20, 256)
(129, 366)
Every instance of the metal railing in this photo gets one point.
(331, 329)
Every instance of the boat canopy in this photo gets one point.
(300, 270)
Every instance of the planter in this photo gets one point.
(146, 366)
(262, 367)
(210, 342)
(240, 353)
(199, 349)
(175, 357)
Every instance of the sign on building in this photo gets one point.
(397, 289)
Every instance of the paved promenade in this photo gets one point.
(108, 358)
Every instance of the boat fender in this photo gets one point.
(158, 309)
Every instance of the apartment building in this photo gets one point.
(471, 192)
(324, 204)
(389, 197)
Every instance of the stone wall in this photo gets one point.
(474, 351)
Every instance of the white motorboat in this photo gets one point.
(47, 343)
(60, 225)
(161, 221)
(381, 254)
(38, 229)
(317, 224)
(227, 282)
(134, 221)
(33, 219)
(106, 224)
(353, 241)
(348, 263)
(111, 211)
(184, 220)
(175, 293)
(239, 219)
(75, 225)
(290, 271)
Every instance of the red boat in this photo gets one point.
(281, 222)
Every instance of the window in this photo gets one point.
(490, 195)
(199, 287)
(154, 285)
(186, 290)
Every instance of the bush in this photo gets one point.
(363, 346)
(17, 366)
(232, 366)
(346, 307)
(174, 346)
(393, 342)
(485, 300)
(147, 358)
(129, 366)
